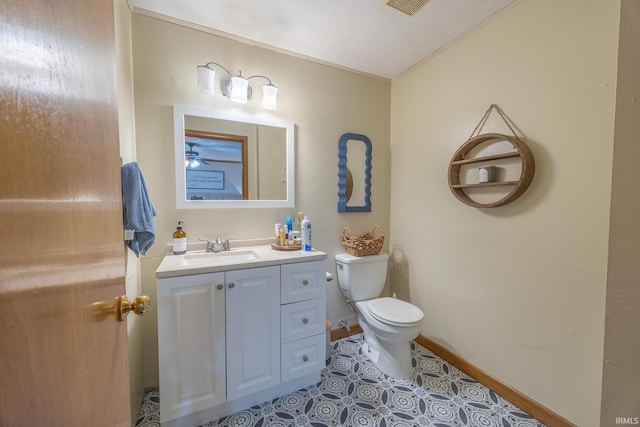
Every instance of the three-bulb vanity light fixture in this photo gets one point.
(237, 87)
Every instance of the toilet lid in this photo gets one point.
(392, 310)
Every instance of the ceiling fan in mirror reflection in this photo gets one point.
(191, 159)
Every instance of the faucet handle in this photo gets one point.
(209, 244)
(226, 246)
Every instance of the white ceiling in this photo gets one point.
(363, 35)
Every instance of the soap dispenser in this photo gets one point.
(179, 240)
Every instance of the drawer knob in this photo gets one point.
(305, 282)
(305, 358)
(305, 320)
(219, 286)
(231, 285)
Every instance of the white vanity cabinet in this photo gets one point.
(231, 339)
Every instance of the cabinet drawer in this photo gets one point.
(303, 357)
(303, 281)
(302, 319)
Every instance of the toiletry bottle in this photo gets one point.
(281, 236)
(286, 231)
(306, 234)
(289, 221)
(297, 220)
(277, 228)
(179, 240)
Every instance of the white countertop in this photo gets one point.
(195, 262)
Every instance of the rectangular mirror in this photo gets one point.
(230, 159)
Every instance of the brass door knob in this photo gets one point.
(139, 306)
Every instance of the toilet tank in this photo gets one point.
(361, 278)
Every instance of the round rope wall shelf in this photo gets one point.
(461, 158)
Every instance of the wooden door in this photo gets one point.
(63, 356)
(253, 330)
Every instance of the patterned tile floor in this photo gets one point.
(353, 392)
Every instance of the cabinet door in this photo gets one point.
(191, 343)
(253, 330)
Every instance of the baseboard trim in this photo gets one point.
(340, 333)
(528, 405)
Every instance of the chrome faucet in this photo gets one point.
(218, 246)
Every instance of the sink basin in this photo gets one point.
(215, 258)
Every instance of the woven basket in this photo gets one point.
(367, 244)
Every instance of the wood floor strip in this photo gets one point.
(339, 333)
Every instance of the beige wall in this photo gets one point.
(324, 103)
(519, 290)
(620, 394)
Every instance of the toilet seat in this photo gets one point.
(394, 312)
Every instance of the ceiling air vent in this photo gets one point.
(408, 7)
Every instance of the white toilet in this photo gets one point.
(389, 324)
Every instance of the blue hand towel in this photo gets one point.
(138, 210)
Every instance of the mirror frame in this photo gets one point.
(342, 173)
(180, 111)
